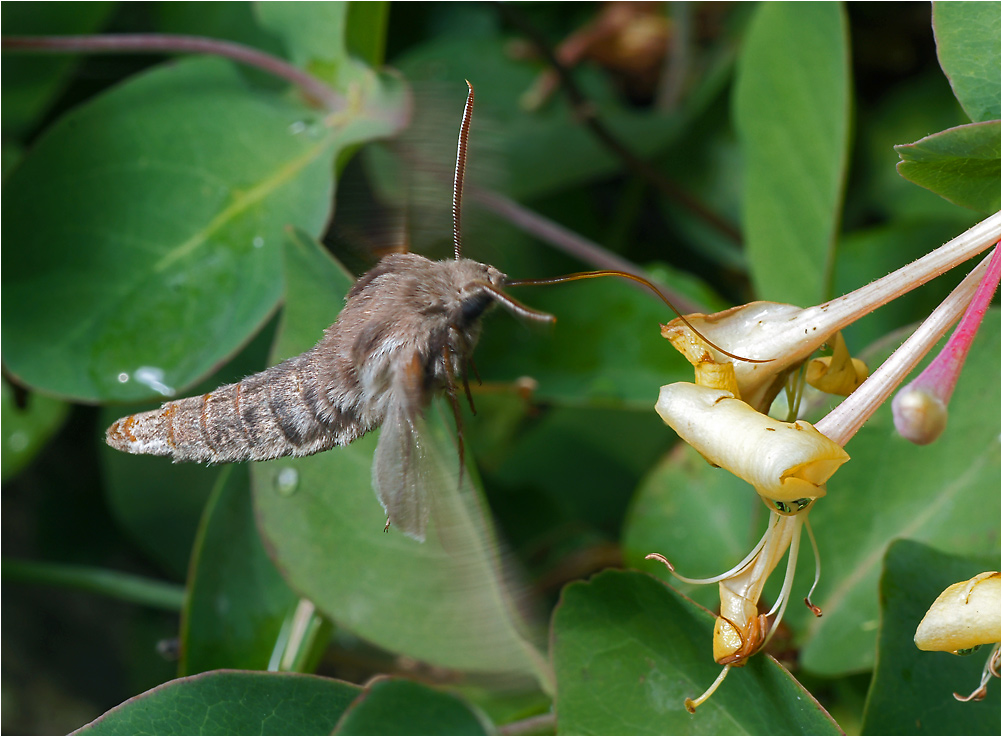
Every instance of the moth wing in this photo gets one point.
(402, 471)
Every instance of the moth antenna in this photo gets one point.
(513, 305)
(457, 182)
(641, 280)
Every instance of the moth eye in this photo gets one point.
(968, 650)
(782, 507)
(473, 306)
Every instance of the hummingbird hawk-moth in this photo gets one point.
(406, 332)
(405, 335)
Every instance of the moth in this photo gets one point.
(405, 335)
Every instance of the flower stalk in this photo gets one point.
(920, 409)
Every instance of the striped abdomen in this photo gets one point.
(281, 411)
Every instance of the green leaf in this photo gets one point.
(959, 164)
(911, 687)
(967, 35)
(628, 651)
(237, 602)
(33, 82)
(398, 706)
(365, 36)
(791, 110)
(443, 600)
(173, 192)
(552, 134)
(231, 702)
(893, 489)
(605, 349)
(26, 430)
(149, 301)
(313, 33)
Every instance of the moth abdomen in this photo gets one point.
(277, 412)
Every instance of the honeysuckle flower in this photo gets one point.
(920, 412)
(788, 464)
(788, 335)
(739, 630)
(964, 617)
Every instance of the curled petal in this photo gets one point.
(760, 330)
(785, 462)
(838, 373)
(966, 615)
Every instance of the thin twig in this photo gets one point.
(584, 110)
(314, 89)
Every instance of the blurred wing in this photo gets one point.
(401, 471)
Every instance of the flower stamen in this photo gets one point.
(691, 704)
(817, 570)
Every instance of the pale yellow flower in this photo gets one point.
(965, 616)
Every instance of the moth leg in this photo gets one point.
(450, 391)
(466, 384)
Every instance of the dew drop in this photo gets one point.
(258, 242)
(18, 441)
(153, 377)
(123, 378)
(287, 481)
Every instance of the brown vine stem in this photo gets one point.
(572, 243)
(154, 43)
(585, 111)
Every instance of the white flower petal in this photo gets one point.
(784, 461)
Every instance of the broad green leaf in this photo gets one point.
(231, 702)
(365, 36)
(32, 82)
(967, 35)
(26, 429)
(605, 349)
(233, 21)
(443, 600)
(628, 651)
(944, 494)
(703, 519)
(959, 164)
(238, 604)
(791, 110)
(915, 688)
(313, 33)
(397, 706)
(172, 193)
